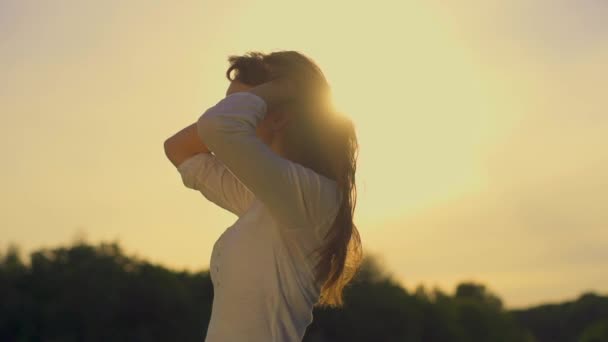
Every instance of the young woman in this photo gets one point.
(276, 153)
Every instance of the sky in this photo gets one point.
(482, 128)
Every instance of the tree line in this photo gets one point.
(86, 292)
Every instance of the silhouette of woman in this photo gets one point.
(276, 153)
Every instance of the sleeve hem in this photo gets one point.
(184, 164)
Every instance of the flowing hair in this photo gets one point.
(324, 140)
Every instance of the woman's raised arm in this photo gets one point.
(184, 144)
(293, 193)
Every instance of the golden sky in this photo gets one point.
(482, 125)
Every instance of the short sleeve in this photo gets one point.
(208, 175)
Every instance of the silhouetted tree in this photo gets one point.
(595, 332)
(567, 321)
(97, 293)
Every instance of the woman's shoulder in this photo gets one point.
(321, 193)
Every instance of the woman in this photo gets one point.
(277, 154)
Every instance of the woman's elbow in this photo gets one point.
(170, 150)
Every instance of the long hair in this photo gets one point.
(323, 139)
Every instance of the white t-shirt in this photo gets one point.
(261, 267)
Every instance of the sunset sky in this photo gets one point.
(483, 129)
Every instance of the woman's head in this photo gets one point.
(312, 132)
(255, 68)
